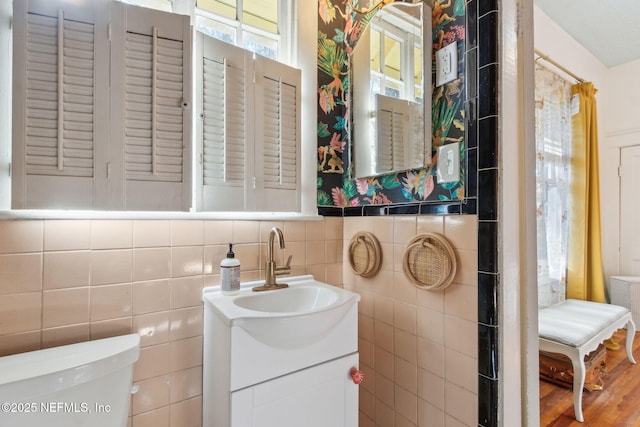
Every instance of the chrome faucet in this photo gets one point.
(271, 269)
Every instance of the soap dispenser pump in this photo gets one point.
(230, 273)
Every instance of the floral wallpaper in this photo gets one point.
(339, 28)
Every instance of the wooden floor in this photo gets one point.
(618, 404)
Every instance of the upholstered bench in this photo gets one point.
(575, 328)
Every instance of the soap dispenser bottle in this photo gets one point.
(230, 273)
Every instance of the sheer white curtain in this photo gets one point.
(553, 151)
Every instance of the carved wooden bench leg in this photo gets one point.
(579, 372)
(575, 328)
(631, 332)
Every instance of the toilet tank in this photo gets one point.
(85, 384)
(625, 291)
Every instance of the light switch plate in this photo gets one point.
(448, 168)
(447, 64)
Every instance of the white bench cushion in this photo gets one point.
(574, 322)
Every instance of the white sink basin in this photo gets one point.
(292, 317)
(298, 299)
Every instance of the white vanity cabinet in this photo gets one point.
(280, 358)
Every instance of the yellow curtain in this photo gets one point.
(585, 279)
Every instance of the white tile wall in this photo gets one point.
(69, 281)
(66, 281)
(418, 348)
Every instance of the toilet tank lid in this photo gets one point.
(109, 353)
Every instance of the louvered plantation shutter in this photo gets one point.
(225, 128)
(277, 136)
(392, 123)
(56, 104)
(248, 131)
(151, 110)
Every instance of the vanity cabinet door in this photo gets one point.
(319, 396)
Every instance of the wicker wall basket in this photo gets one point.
(430, 262)
(365, 254)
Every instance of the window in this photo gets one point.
(265, 27)
(103, 117)
(249, 127)
(164, 5)
(553, 159)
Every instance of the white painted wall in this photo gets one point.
(622, 129)
(6, 42)
(518, 403)
(564, 49)
(306, 59)
(551, 39)
(622, 102)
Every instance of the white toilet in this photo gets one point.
(85, 384)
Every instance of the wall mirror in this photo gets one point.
(391, 78)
